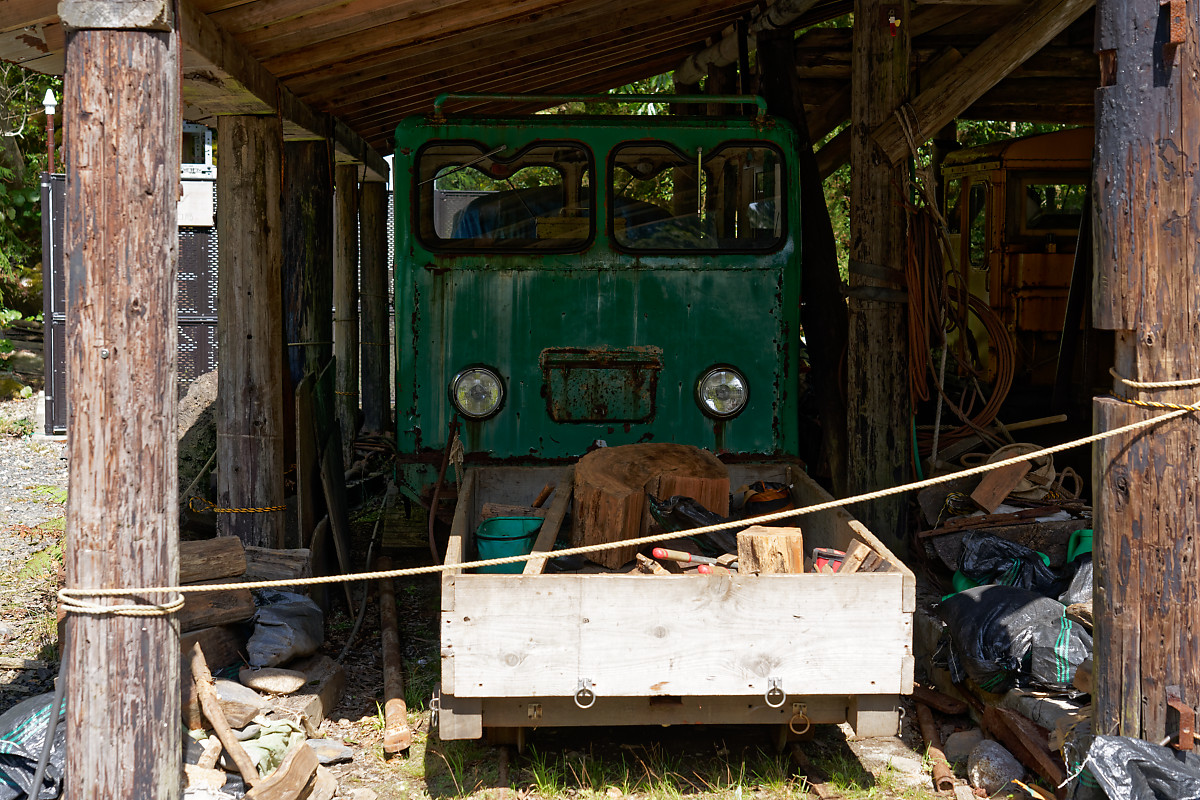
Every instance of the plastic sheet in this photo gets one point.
(991, 632)
(286, 626)
(1059, 647)
(987, 558)
(22, 737)
(681, 513)
(1079, 590)
(1133, 769)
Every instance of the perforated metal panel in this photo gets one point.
(197, 303)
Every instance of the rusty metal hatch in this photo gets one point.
(600, 384)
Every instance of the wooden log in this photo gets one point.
(611, 485)
(397, 736)
(374, 340)
(345, 305)
(209, 559)
(943, 775)
(770, 551)
(222, 644)
(206, 609)
(273, 564)
(121, 125)
(249, 329)
(290, 778)
(877, 355)
(939, 700)
(211, 705)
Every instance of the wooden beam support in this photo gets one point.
(376, 342)
(307, 278)
(980, 70)
(345, 305)
(876, 365)
(121, 119)
(1147, 281)
(220, 77)
(249, 326)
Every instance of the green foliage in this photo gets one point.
(658, 84)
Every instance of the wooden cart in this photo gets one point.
(529, 650)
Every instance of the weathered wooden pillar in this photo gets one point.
(877, 385)
(376, 341)
(345, 305)
(307, 258)
(122, 131)
(249, 321)
(1147, 290)
(824, 310)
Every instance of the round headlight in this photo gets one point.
(477, 392)
(722, 392)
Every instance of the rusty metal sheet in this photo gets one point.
(601, 384)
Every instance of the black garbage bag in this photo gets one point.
(1079, 590)
(990, 629)
(987, 558)
(681, 513)
(22, 736)
(1059, 647)
(1133, 769)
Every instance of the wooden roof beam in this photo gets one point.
(983, 68)
(220, 77)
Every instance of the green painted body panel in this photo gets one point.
(505, 310)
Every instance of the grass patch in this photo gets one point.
(16, 428)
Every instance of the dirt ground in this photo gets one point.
(583, 762)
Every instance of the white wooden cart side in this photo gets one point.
(671, 649)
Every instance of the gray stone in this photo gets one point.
(241, 704)
(273, 680)
(362, 794)
(990, 767)
(330, 751)
(959, 745)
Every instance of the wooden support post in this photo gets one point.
(122, 127)
(376, 340)
(249, 322)
(307, 271)
(824, 310)
(345, 306)
(1147, 240)
(876, 365)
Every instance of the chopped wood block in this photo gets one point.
(323, 786)
(491, 510)
(212, 753)
(205, 609)
(241, 704)
(611, 485)
(271, 564)
(326, 682)
(997, 484)
(648, 566)
(855, 555)
(198, 777)
(290, 778)
(1081, 614)
(209, 559)
(770, 551)
(1082, 680)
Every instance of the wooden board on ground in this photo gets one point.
(611, 485)
(206, 609)
(326, 682)
(334, 482)
(209, 559)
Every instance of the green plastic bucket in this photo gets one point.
(500, 537)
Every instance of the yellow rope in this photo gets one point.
(73, 595)
(347, 394)
(208, 505)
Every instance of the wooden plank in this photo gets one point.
(249, 404)
(308, 468)
(855, 555)
(553, 523)
(272, 564)
(206, 609)
(290, 778)
(996, 485)
(312, 704)
(843, 635)
(121, 116)
(982, 68)
(209, 559)
(345, 305)
(503, 510)
(333, 479)
(375, 342)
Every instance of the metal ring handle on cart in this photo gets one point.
(807, 724)
(585, 697)
(776, 694)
